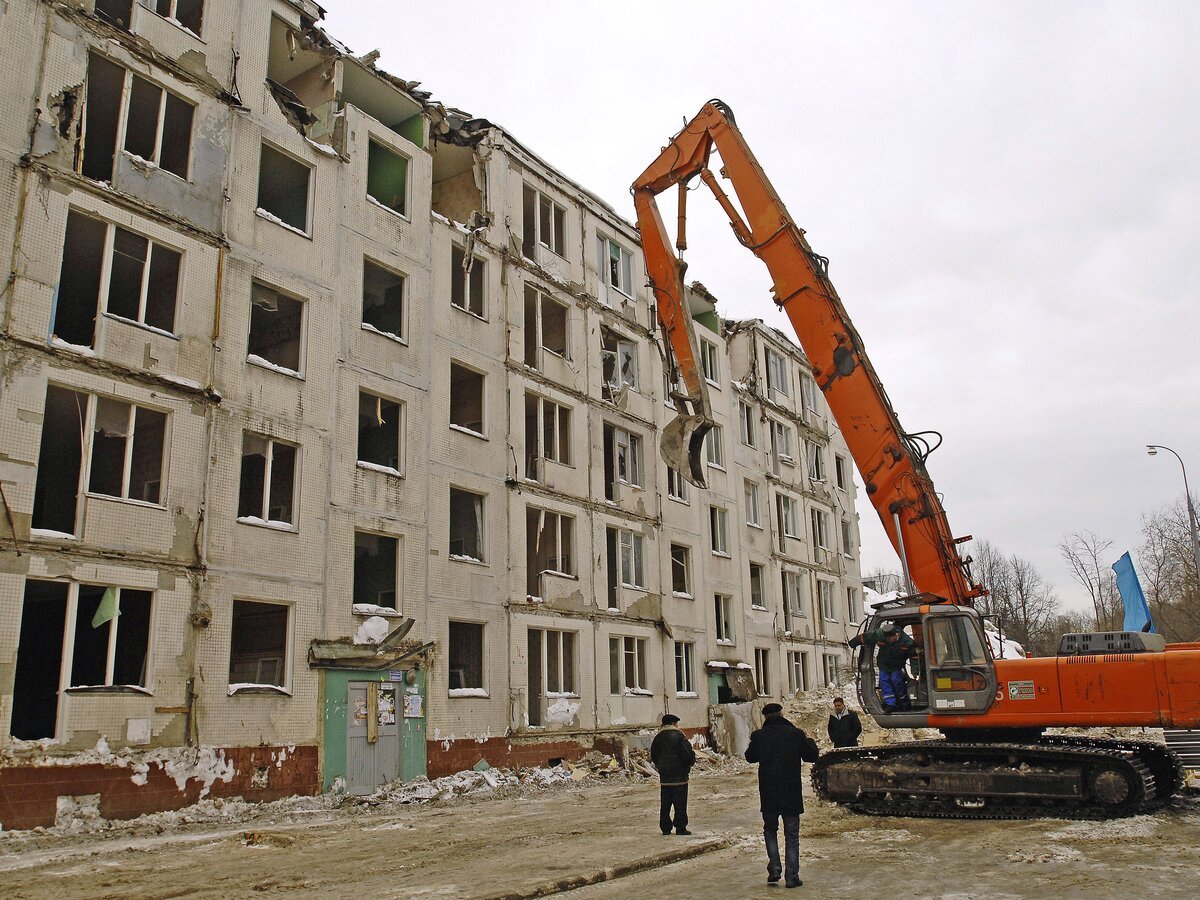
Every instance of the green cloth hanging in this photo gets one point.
(107, 610)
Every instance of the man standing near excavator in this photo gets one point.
(895, 648)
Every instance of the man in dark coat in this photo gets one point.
(778, 748)
(844, 727)
(895, 647)
(673, 756)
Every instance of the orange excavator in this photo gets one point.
(994, 759)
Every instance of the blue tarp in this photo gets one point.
(1137, 613)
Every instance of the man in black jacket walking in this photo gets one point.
(844, 727)
(673, 756)
(778, 748)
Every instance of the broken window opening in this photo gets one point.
(762, 671)
(786, 519)
(545, 326)
(792, 588)
(547, 434)
(627, 548)
(820, 529)
(808, 388)
(714, 447)
(627, 659)
(380, 432)
(268, 485)
(847, 538)
(751, 496)
(466, 525)
(681, 571)
(387, 177)
(186, 13)
(778, 384)
(622, 460)
(108, 646)
(825, 593)
(549, 539)
(615, 265)
(79, 280)
(685, 665)
(723, 606)
(376, 570)
(467, 281)
(757, 600)
(544, 224)
(127, 451)
(619, 360)
(101, 115)
(816, 462)
(677, 486)
(841, 472)
(781, 446)
(797, 671)
(465, 656)
(158, 126)
(60, 460)
(115, 12)
(258, 647)
(301, 77)
(383, 300)
(276, 330)
(718, 529)
(284, 189)
(746, 419)
(466, 399)
(709, 363)
(551, 669)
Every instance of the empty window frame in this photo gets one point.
(709, 362)
(792, 586)
(685, 666)
(268, 486)
(841, 472)
(383, 301)
(831, 664)
(545, 223)
(762, 671)
(100, 445)
(757, 598)
(466, 525)
(466, 657)
(627, 665)
(276, 330)
(468, 281)
(820, 529)
(545, 327)
(714, 447)
(376, 572)
(825, 590)
(552, 664)
(816, 461)
(187, 13)
(547, 435)
(387, 177)
(148, 122)
(778, 384)
(781, 444)
(115, 12)
(847, 538)
(284, 189)
(753, 515)
(787, 512)
(681, 571)
(797, 663)
(107, 267)
(622, 460)
(625, 547)
(809, 393)
(852, 614)
(723, 613)
(380, 434)
(618, 358)
(615, 265)
(677, 486)
(466, 399)
(747, 424)
(258, 647)
(549, 543)
(718, 529)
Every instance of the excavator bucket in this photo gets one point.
(682, 446)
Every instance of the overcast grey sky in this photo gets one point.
(1009, 194)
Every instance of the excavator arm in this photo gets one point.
(892, 463)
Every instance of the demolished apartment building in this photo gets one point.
(328, 436)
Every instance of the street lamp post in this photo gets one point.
(1152, 449)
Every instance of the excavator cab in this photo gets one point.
(949, 672)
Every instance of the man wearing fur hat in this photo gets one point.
(673, 756)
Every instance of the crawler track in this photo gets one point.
(1060, 777)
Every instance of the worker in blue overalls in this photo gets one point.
(894, 649)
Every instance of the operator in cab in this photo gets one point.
(894, 650)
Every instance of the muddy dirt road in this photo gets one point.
(470, 847)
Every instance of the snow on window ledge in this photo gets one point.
(757, 608)
(271, 217)
(461, 557)
(468, 692)
(52, 534)
(554, 695)
(252, 688)
(370, 609)
(745, 666)
(109, 689)
(376, 467)
(725, 642)
(267, 364)
(717, 664)
(471, 431)
(367, 326)
(395, 212)
(682, 595)
(268, 523)
(59, 344)
(686, 695)
(637, 692)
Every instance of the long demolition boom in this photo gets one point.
(890, 461)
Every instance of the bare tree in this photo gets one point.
(1033, 604)
(1167, 568)
(1087, 556)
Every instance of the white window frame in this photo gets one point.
(762, 585)
(631, 656)
(172, 18)
(481, 522)
(820, 528)
(625, 350)
(564, 546)
(687, 592)
(550, 414)
(787, 516)
(66, 673)
(631, 570)
(463, 273)
(710, 362)
(88, 448)
(781, 443)
(556, 241)
(714, 447)
(825, 595)
(565, 673)
(830, 664)
(604, 249)
(262, 362)
(847, 539)
(816, 462)
(852, 615)
(123, 120)
(470, 690)
(792, 587)
(685, 667)
(777, 375)
(808, 391)
(840, 471)
(797, 671)
(627, 448)
(677, 487)
(266, 490)
(401, 423)
(762, 671)
(747, 424)
(723, 614)
(753, 513)
(718, 526)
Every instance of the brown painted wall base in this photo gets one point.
(507, 752)
(29, 794)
